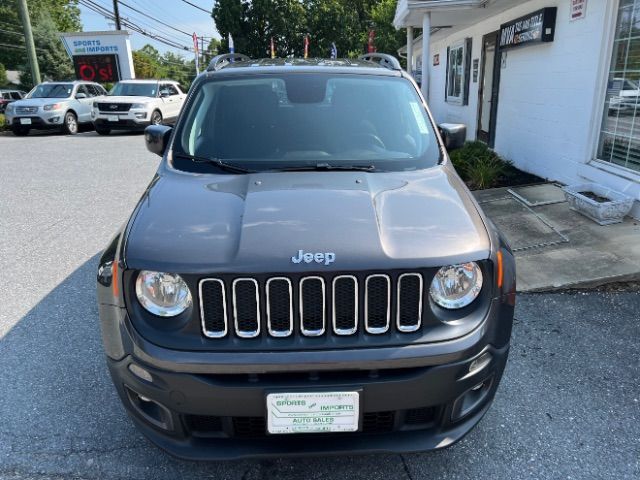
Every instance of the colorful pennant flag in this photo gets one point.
(334, 51)
(306, 46)
(273, 49)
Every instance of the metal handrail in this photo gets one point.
(221, 61)
(384, 59)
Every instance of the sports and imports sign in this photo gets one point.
(537, 27)
(105, 56)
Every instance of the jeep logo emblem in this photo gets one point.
(327, 258)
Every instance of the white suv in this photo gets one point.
(135, 104)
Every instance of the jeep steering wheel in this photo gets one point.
(372, 139)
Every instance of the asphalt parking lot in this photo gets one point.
(568, 406)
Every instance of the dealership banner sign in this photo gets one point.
(537, 27)
(100, 56)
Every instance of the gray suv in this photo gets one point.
(54, 105)
(306, 273)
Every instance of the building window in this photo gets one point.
(620, 133)
(458, 61)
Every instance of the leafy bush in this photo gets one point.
(2, 125)
(479, 166)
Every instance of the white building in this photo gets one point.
(552, 85)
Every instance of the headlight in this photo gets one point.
(138, 105)
(53, 106)
(9, 108)
(456, 286)
(163, 294)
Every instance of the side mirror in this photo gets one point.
(157, 138)
(164, 94)
(80, 96)
(453, 134)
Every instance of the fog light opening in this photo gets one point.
(152, 411)
(471, 400)
(140, 373)
(480, 362)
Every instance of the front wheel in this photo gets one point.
(70, 126)
(20, 131)
(156, 118)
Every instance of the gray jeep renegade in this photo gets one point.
(306, 273)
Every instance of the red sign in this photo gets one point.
(578, 9)
(97, 68)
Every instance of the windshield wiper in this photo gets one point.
(327, 167)
(221, 164)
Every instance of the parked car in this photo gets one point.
(306, 273)
(136, 104)
(9, 96)
(54, 105)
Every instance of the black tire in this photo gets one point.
(20, 131)
(103, 131)
(156, 118)
(70, 126)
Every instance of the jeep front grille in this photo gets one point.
(312, 305)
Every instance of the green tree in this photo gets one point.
(64, 14)
(388, 39)
(3, 76)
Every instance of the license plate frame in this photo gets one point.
(113, 118)
(343, 412)
(25, 121)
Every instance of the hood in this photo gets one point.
(257, 222)
(125, 99)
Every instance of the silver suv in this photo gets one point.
(54, 105)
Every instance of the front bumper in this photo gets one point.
(212, 406)
(131, 120)
(41, 121)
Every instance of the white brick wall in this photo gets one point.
(549, 101)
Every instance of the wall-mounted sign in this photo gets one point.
(436, 60)
(539, 26)
(578, 9)
(476, 67)
(104, 54)
(97, 68)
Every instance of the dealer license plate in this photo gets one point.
(319, 412)
(112, 118)
(25, 121)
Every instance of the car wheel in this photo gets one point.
(70, 123)
(103, 131)
(156, 118)
(20, 131)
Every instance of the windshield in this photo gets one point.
(134, 89)
(272, 122)
(52, 90)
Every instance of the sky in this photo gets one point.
(172, 12)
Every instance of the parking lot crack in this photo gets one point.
(406, 467)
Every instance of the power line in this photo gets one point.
(153, 18)
(196, 6)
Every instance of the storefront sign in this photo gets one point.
(578, 9)
(100, 56)
(539, 26)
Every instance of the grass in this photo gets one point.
(482, 168)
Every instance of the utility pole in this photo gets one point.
(116, 14)
(28, 40)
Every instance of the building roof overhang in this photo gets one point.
(447, 13)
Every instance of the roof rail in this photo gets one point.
(383, 59)
(221, 61)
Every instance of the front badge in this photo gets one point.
(307, 257)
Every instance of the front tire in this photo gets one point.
(19, 131)
(103, 131)
(70, 126)
(156, 118)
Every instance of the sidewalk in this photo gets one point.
(557, 248)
